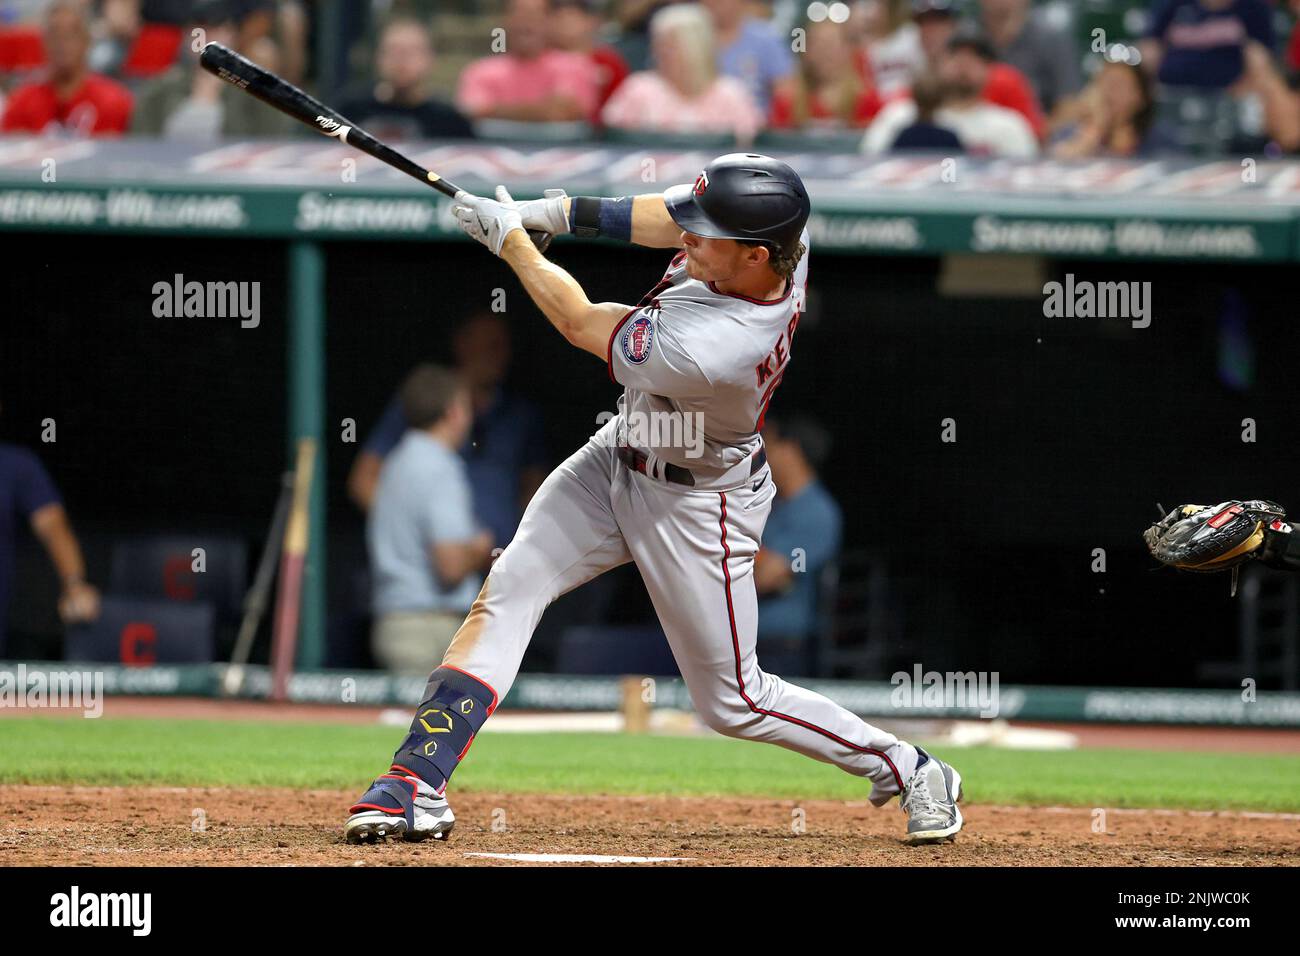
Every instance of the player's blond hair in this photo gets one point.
(784, 266)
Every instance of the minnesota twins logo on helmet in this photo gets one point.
(701, 183)
(638, 337)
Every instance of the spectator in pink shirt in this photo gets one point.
(529, 81)
(684, 93)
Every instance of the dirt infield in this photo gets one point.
(151, 826)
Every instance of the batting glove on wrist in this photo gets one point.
(546, 214)
(488, 220)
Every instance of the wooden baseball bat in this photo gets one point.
(293, 560)
(225, 63)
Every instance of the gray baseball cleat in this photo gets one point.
(930, 799)
(389, 808)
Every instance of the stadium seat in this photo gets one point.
(21, 49)
(161, 568)
(1201, 122)
(636, 649)
(154, 50)
(141, 633)
(1268, 632)
(856, 618)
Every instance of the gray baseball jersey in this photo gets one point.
(699, 367)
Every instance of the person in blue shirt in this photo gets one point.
(1202, 43)
(28, 496)
(801, 539)
(504, 450)
(427, 553)
(752, 51)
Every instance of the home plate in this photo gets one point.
(579, 858)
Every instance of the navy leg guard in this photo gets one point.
(455, 706)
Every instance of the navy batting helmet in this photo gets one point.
(743, 196)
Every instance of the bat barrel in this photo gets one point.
(225, 63)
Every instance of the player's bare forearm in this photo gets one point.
(585, 324)
(651, 224)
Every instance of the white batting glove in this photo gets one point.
(488, 220)
(547, 214)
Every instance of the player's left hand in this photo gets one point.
(546, 214)
(488, 220)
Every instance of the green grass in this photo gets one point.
(326, 756)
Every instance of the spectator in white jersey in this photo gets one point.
(984, 128)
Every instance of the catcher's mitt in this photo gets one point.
(1215, 538)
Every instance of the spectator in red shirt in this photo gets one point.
(70, 98)
(575, 26)
(528, 81)
(1293, 45)
(1006, 86)
(828, 91)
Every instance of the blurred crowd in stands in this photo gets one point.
(987, 77)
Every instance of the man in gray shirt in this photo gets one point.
(1046, 54)
(427, 555)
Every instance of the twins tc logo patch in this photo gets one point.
(701, 183)
(638, 337)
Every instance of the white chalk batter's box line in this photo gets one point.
(579, 858)
(1157, 812)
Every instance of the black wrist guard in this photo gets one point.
(590, 217)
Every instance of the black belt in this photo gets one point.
(639, 461)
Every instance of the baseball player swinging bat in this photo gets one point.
(244, 74)
(707, 345)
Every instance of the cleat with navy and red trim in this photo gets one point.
(930, 801)
(395, 806)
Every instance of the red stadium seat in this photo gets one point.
(21, 49)
(154, 50)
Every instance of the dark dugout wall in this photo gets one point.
(1068, 430)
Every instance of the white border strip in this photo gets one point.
(579, 858)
